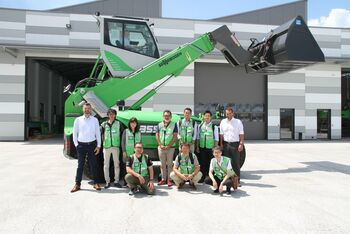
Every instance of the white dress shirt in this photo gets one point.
(231, 129)
(86, 129)
(216, 131)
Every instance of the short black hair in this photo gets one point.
(87, 104)
(217, 148)
(133, 119)
(185, 144)
(167, 111)
(138, 143)
(189, 109)
(208, 112)
(111, 111)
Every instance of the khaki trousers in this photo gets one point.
(166, 160)
(133, 181)
(178, 180)
(107, 154)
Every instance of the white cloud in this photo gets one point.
(336, 18)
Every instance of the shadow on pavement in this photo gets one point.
(325, 166)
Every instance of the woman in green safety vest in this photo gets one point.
(130, 137)
(220, 172)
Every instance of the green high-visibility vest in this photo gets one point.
(186, 167)
(206, 137)
(131, 140)
(140, 166)
(111, 134)
(166, 133)
(186, 130)
(220, 171)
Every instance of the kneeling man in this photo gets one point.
(139, 171)
(220, 172)
(186, 168)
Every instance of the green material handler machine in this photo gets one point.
(130, 61)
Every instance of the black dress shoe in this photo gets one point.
(228, 191)
(216, 191)
(117, 185)
(107, 185)
(193, 186)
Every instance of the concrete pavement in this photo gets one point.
(288, 187)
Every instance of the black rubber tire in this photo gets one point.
(100, 176)
(243, 155)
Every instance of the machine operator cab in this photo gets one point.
(127, 44)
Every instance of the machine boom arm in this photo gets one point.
(278, 53)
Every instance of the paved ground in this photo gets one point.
(288, 188)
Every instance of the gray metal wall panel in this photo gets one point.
(329, 44)
(293, 102)
(174, 23)
(312, 89)
(297, 78)
(83, 26)
(84, 43)
(12, 15)
(12, 33)
(11, 117)
(146, 8)
(11, 138)
(47, 30)
(12, 97)
(174, 40)
(11, 79)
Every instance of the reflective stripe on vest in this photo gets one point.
(140, 167)
(131, 140)
(111, 135)
(186, 131)
(186, 167)
(206, 136)
(221, 172)
(166, 133)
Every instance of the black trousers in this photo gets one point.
(228, 182)
(205, 155)
(83, 151)
(231, 151)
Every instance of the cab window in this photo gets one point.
(135, 37)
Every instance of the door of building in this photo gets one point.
(323, 124)
(286, 124)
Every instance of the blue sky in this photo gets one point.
(321, 12)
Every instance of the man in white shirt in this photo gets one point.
(232, 139)
(87, 140)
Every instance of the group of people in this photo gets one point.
(201, 151)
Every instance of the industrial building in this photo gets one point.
(43, 51)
